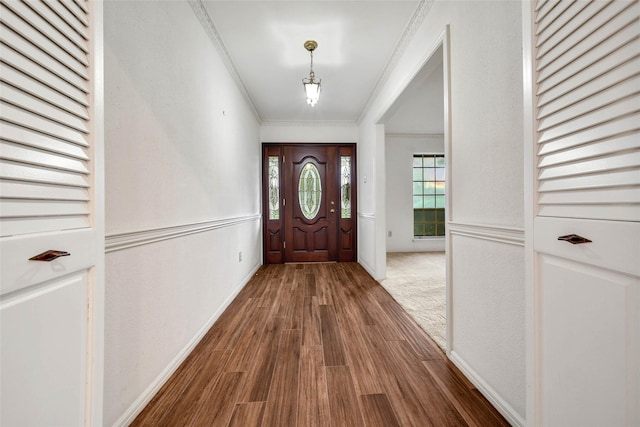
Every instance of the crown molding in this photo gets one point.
(416, 20)
(207, 24)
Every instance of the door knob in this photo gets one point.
(574, 239)
(49, 255)
(332, 210)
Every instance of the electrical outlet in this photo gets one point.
(240, 256)
(389, 234)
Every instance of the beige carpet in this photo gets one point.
(417, 281)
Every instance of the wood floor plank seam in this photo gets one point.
(312, 345)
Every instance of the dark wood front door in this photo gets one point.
(309, 217)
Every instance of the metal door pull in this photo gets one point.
(49, 255)
(574, 239)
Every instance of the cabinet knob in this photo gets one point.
(574, 239)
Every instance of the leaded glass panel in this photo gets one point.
(274, 187)
(345, 186)
(310, 190)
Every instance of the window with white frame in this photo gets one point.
(428, 195)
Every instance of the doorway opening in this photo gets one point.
(417, 171)
(309, 202)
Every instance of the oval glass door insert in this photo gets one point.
(309, 190)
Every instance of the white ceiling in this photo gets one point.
(420, 107)
(356, 40)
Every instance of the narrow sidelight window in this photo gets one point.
(274, 187)
(345, 186)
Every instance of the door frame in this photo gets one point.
(273, 230)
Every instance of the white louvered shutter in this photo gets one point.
(587, 288)
(51, 198)
(588, 109)
(44, 117)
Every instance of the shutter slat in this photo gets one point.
(28, 137)
(611, 179)
(44, 118)
(26, 173)
(16, 24)
(625, 125)
(41, 7)
(607, 80)
(82, 5)
(26, 190)
(69, 41)
(591, 102)
(585, 38)
(611, 212)
(36, 208)
(28, 155)
(67, 17)
(38, 106)
(31, 121)
(600, 165)
(28, 67)
(591, 197)
(553, 15)
(560, 24)
(45, 61)
(602, 148)
(552, 75)
(77, 12)
(12, 227)
(545, 8)
(592, 119)
(36, 88)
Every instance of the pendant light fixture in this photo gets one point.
(311, 84)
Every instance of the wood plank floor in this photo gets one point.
(317, 345)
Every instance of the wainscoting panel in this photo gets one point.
(486, 328)
(164, 290)
(367, 252)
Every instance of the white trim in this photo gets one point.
(94, 409)
(494, 233)
(126, 240)
(207, 24)
(532, 359)
(367, 216)
(415, 136)
(416, 20)
(309, 123)
(139, 404)
(503, 407)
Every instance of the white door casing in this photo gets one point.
(51, 197)
(582, 157)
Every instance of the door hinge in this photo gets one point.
(284, 202)
(284, 159)
(284, 245)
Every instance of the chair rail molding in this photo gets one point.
(495, 233)
(119, 241)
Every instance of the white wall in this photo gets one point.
(322, 131)
(399, 151)
(182, 194)
(485, 182)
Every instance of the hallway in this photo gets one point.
(317, 345)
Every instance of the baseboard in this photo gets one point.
(142, 401)
(366, 267)
(487, 391)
